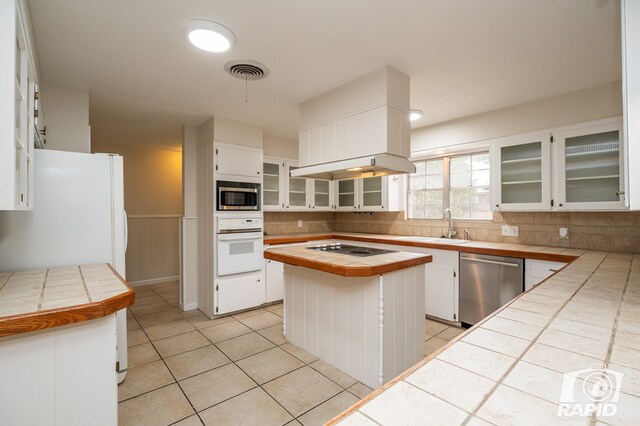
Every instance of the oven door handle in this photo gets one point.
(240, 236)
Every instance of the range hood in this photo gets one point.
(368, 166)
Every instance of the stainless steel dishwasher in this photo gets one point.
(487, 283)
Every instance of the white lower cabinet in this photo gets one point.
(274, 286)
(536, 271)
(442, 285)
(239, 292)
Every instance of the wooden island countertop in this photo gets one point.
(345, 265)
(39, 299)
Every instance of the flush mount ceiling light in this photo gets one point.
(208, 35)
(414, 114)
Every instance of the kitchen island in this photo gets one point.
(58, 345)
(363, 315)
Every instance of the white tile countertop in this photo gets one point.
(40, 290)
(508, 369)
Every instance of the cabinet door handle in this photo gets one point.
(618, 193)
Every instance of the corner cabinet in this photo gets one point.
(573, 168)
(590, 168)
(521, 172)
(273, 184)
(17, 110)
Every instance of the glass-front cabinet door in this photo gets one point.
(522, 172)
(590, 167)
(272, 184)
(373, 194)
(320, 194)
(346, 194)
(296, 189)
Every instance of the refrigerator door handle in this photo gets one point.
(126, 231)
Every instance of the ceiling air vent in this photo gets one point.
(246, 70)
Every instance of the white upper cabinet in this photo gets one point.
(521, 172)
(590, 167)
(378, 193)
(273, 184)
(319, 195)
(295, 189)
(17, 106)
(238, 161)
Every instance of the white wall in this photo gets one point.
(66, 111)
(589, 104)
(276, 147)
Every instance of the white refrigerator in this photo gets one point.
(78, 218)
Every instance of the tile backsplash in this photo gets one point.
(615, 231)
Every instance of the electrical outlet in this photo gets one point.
(299, 224)
(510, 230)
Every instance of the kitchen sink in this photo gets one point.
(432, 240)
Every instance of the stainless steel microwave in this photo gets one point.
(240, 196)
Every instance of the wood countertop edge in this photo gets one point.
(347, 271)
(553, 257)
(34, 321)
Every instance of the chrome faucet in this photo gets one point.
(451, 233)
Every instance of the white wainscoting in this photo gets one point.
(153, 251)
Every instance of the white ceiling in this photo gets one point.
(463, 56)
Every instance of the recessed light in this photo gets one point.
(208, 35)
(414, 114)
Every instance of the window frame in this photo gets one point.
(446, 183)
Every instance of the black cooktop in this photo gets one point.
(358, 251)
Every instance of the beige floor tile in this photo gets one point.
(450, 333)
(189, 421)
(294, 423)
(201, 321)
(159, 407)
(212, 387)
(301, 390)
(168, 329)
(275, 307)
(269, 364)
(195, 362)
(459, 387)
(136, 337)
(180, 343)
(328, 410)
(141, 354)
(498, 342)
(411, 406)
(151, 308)
(249, 313)
(254, 407)
(434, 327)
(261, 320)
(274, 333)
(225, 331)
(433, 344)
(143, 379)
(332, 373)
(244, 346)
(132, 325)
(299, 353)
(145, 299)
(159, 318)
(491, 365)
(360, 390)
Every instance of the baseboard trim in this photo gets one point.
(189, 306)
(142, 283)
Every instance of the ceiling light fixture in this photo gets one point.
(414, 114)
(208, 35)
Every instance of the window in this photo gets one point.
(460, 183)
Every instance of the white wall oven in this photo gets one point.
(240, 245)
(238, 196)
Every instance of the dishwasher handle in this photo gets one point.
(492, 262)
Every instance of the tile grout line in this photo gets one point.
(44, 285)
(84, 284)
